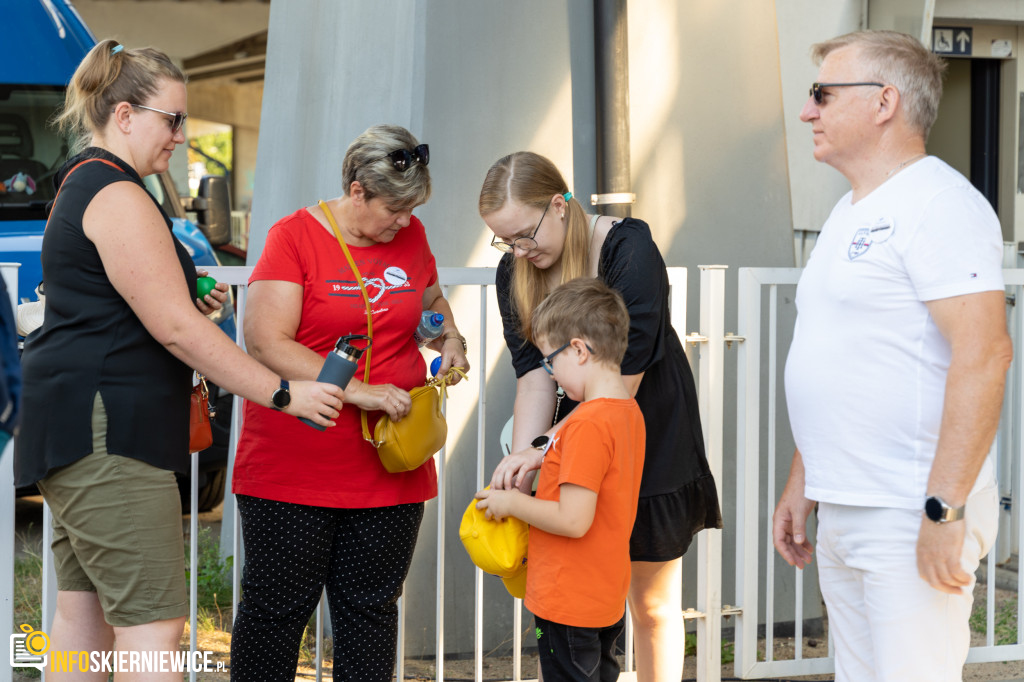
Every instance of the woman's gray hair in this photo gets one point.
(367, 161)
(900, 60)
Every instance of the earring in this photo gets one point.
(562, 217)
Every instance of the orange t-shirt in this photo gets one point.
(583, 581)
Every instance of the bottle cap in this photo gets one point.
(345, 347)
(436, 319)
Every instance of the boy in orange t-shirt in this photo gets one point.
(583, 512)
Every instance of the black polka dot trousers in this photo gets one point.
(292, 552)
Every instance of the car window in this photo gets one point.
(31, 150)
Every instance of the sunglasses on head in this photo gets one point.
(403, 159)
(819, 96)
(177, 117)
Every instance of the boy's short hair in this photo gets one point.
(585, 308)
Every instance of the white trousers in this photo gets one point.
(887, 623)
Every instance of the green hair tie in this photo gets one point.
(567, 196)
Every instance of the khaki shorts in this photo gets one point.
(117, 532)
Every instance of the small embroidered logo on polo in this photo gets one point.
(876, 232)
(539, 633)
(861, 243)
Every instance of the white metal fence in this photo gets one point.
(759, 351)
(765, 296)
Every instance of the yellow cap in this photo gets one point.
(516, 585)
(497, 547)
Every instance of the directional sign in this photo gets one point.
(952, 40)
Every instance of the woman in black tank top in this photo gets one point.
(108, 376)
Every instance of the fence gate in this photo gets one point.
(758, 568)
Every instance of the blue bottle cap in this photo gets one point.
(436, 319)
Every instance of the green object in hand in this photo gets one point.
(205, 285)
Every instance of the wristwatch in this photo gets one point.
(936, 509)
(460, 337)
(281, 397)
(542, 443)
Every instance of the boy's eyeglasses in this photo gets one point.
(403, 159)
(546, 361)
(177, 117)
(819, 96)
(524, 244)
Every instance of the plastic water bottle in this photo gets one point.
(340, 366)
(431, 326)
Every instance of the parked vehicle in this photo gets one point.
(41, 44)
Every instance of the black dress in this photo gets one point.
(92, 342)
(677, 493)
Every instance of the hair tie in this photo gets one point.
(114, 50)
(567, 196)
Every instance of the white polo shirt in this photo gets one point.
(866, 373)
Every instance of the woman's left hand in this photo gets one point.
(214, 300)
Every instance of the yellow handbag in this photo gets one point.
(406, 444)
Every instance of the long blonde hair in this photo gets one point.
(533, 180)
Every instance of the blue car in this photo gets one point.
(41, 44)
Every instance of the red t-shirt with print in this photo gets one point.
(281, 458)
(583, 581)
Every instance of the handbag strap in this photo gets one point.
(366, 299)
(76, 167)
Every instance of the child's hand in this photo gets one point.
(496, 504)
(512, 470)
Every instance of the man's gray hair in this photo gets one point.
(900, 60)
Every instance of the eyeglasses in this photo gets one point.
(403, 159)
(524, 244)
(546, 361)
(177, 117)
(819, 96)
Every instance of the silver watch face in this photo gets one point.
(281, 398)
(938, 511)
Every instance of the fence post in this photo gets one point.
(711, 397)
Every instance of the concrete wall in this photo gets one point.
(814, 187)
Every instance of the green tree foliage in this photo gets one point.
(219, 146)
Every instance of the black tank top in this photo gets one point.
(91, 342)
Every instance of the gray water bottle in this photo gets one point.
(340, 366)
(431, 326)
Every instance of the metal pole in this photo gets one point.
(611, 72)
(709, 542)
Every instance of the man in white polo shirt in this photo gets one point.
(895, 377)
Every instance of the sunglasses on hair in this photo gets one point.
(177, 117)
(403, 159)
(819, 96)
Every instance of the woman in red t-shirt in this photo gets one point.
(318, 508)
